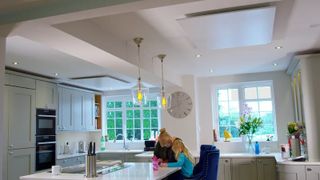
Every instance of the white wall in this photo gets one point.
(283, 106)
(73, 138)
(311, 101)
(2, 62)
(185, 128)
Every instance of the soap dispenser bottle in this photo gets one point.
(257, 148)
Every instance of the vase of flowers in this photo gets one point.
(295, 138)
(248, 126)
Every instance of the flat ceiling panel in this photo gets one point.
(231, 29)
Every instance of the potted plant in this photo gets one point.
(249, 125)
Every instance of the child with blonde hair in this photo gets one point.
(183, 157)
(163, 149)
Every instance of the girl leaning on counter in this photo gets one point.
(163, 149)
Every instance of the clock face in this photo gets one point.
(180, 105)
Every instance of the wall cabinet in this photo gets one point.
(313, 172)
(46, 95)
(20, 163)
(224, 169)
(88, 111)
(76, 110)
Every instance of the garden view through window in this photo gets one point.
(257, 96)
(132, 121)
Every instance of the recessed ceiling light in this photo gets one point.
(211, 70)
(275, 64)
(15, 63)
(278, 47)
(198, 55)
(56, 74)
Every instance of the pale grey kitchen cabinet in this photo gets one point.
(77, 111)
(88, 111)
(224, 169)
(291, 172)
(20, 132)
(266, 169)
(46, 95)
(65, 106)
(21, 162)
(20, 116)
(244, 169)
(313, 172)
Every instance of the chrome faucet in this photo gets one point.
(124, 141)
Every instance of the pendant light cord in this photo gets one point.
(139, 63)
(162, 81)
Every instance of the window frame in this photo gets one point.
(241, 93)
(124, 99)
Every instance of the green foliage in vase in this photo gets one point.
(249, 125)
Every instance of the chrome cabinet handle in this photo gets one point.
(10, 152)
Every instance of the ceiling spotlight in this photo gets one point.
(275, 64)
(198, 55)
(278, 47)
(211, 70)
(56, 74)
(15, 63)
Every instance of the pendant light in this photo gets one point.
(163, 99)
(139, 92)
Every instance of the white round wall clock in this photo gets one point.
(180, 104)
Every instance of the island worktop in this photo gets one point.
(133, 171)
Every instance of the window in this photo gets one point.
(134, 122)
(231, 99)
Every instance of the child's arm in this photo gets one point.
(179, 163)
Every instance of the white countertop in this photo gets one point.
(135, 171)
(277, 157)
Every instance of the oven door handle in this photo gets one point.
(51, 116)
(44, 143)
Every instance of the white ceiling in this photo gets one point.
(296, 29)
(40, 59)
(163, 33)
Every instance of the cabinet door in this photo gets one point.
(77, 111)
(46, 95)
(266, 168)
(244, 169)
(66, 105)
(291, 172)
(20, 117)
(224, 169)
(21, 162)
(89, 111)
(313, 172)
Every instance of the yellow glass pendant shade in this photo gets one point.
(163, 101)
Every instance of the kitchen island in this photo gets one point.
(132, 171)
